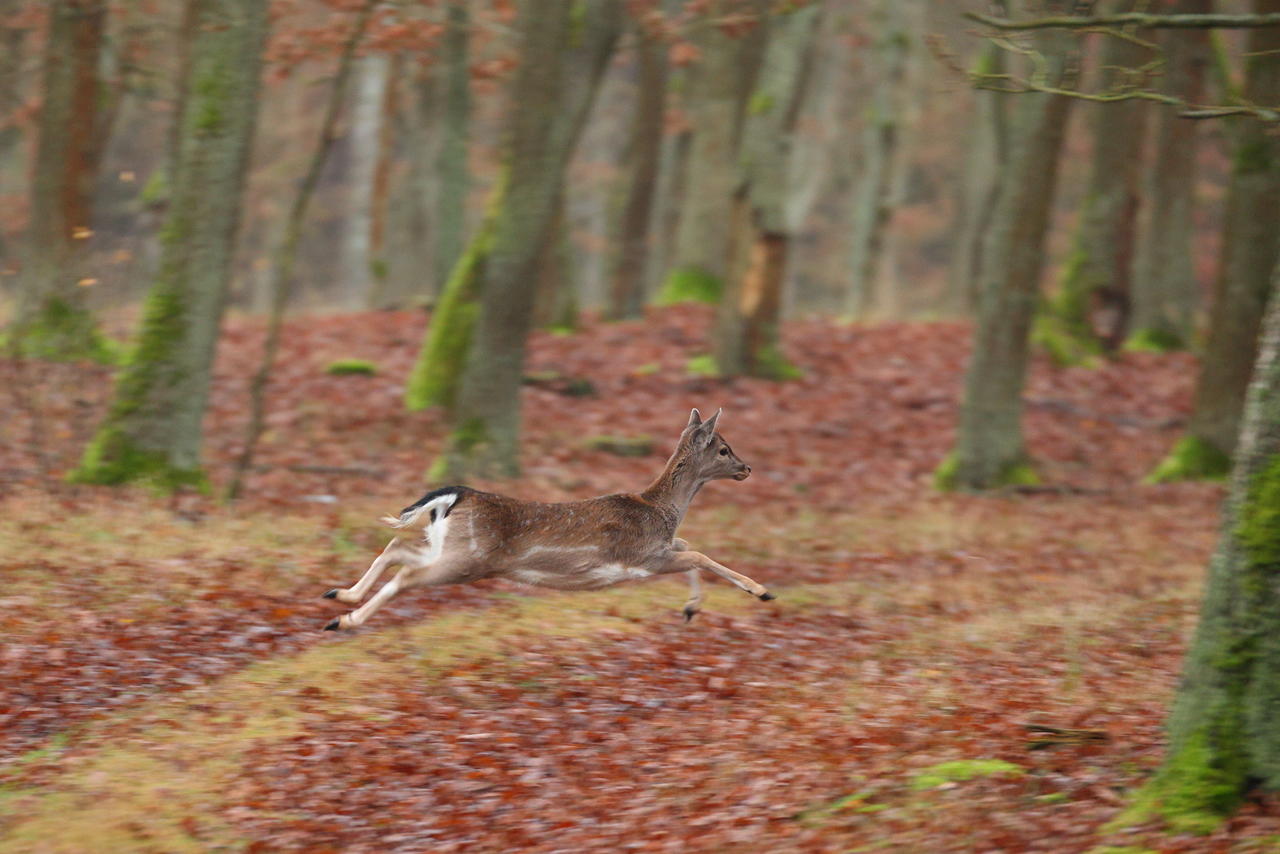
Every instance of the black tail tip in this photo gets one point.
(332, 594)
(690, 613)
(767, 597)
(334, 626)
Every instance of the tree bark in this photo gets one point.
(628, 286)
(990, 451)
(153, 428)
(452, 169)
(986, 150)
(485, 315)
(287, 252)
(1222, 731)
(1250, 246)
(1165, 290)
(357, 265)
(872, 204)
(716, 97)
(1089, 313)
(53, 319)
(746, 333)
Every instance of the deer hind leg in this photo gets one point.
(694, 605)
(421, 570)
(683, 561)
(392, 554)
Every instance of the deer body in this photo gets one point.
(457, 535)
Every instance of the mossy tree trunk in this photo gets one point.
(985, 152)
(555, 304)
(53, 319)
(153, 429)
(746, 333)
(566, 45)
(989, 450)
(627, 291)
(1250, 245)
(872, 202)
(1222, 731)
(1089, 312)
(715, 96)
(12, 60)
(1165, 290)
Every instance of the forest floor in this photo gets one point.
(166, 686)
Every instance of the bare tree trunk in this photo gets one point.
(989, 448)
(1250, 245)
(717, 92)
(872, 202)
(53, 318)
(628, 290)
(1165, 290)
(986, 150)
(379, 295)
(746, 334)
(153, 429)
(287, 252)
(356, 267)
(12, 40)
(1089, 313)
(452, 169)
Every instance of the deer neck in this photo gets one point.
(675, 488)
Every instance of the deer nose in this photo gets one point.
(744, 473)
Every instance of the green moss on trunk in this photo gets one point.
(1192, 458)
(691, 284)
(1154, 341)
(435, 377)
(948, 477)
(64, 332)
(112, 459)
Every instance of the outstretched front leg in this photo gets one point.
(686, 561)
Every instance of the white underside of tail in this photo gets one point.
(434, 531)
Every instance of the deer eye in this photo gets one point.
(724, 452)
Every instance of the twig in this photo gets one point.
(1138, 19)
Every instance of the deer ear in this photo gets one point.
(710, 424)
(694, 419)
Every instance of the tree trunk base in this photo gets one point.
(1192, 458)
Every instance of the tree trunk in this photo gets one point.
(485, 314)
(153, 428)
(53, 319)
(1089, 313)
(1165, 290)
(746, 334)
(357, 265)
(12, 58)
(628, 287)
(985, 152)
(555, 304)
(871, 204)
(1250, 245)
(1222, 731)
(717, 90)
(989, 448)
(452, 169)
(287, 252)
(380, 295)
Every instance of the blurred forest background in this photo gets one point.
(982, 295)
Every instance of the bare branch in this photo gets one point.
(1139, 19)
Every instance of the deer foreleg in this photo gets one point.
(360, 589)
(694, 605)
(683, 561)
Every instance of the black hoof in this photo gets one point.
(766, 597)
(690, 613)
(334, 626)
(332, 594)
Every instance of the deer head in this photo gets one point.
(707, 454)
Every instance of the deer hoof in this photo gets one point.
(767, 596)
(332, 594)
(334, 626)
(690, 613)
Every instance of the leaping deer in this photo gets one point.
(456, 535)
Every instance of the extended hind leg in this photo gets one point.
(395, 552)
(423, 572)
